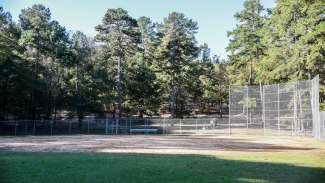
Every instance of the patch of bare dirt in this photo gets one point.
(158, 144)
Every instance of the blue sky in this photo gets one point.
(214, 17)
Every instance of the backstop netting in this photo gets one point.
(283, 109)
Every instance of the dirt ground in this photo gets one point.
(159, 144)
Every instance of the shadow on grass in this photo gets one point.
(128, 168)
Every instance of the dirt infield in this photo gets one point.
(158, 144)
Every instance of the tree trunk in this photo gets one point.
(119, 102)
(141, 113)
(49, 104)
(251, 73)
(80, 116)
(33, 96)
(173, 97)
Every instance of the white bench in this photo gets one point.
(143, 130)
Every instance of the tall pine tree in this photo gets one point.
(176, 52)
(246, 47)
(120, 38)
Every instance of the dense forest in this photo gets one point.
(134, 66)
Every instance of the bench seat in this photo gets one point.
(143, 130)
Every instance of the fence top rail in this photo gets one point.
(274, 84)
(110, 119)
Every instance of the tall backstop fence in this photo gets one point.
(283, 109)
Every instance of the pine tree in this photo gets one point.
(246, 47)
(296, 41)
(15, 73)
(177, 49)
(120, 37)
(46, 44)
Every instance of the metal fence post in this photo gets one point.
(146, 124)
(51, 126)
(196, 125)
(112, 122)
(88, 126)
(116, 126)
(180, 126)
(262, 103)
(125, 124)
(164, 126)
(34, 128)
(26, 127)
(106, 127)
(229, 110)
(69, 126)
(263, 109)
(279, 130)
(247, 118)
(294, 110)
(15, 127)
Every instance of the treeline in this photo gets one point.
(139, 67)
(131, 67)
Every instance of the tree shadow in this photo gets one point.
(195, 143)
(101, 167)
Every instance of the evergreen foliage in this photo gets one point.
(140, 67)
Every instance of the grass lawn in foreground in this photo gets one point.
(243, 167)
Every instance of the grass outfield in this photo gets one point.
(243, 167)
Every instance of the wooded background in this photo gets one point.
(139, 67)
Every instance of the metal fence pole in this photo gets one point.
(16, 127)
(88, 126)
(229, 109)
(146, 120)
(26, 127)
(112, 126)
(321, 133)
(34, 128)
(106, 127)
(278, 102)
(116, 126)
(69, 126)
(196, 125)
(263, 109)
(126, 123)
(180, 126)
(294, 110)
(262, 103)
(247, 118)
(164, 126)
(51, 127)
(300, 124)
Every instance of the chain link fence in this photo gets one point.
(322, 125)
(279, 109)
(282, 109)
(116, 126)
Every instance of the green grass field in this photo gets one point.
(243, 167)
